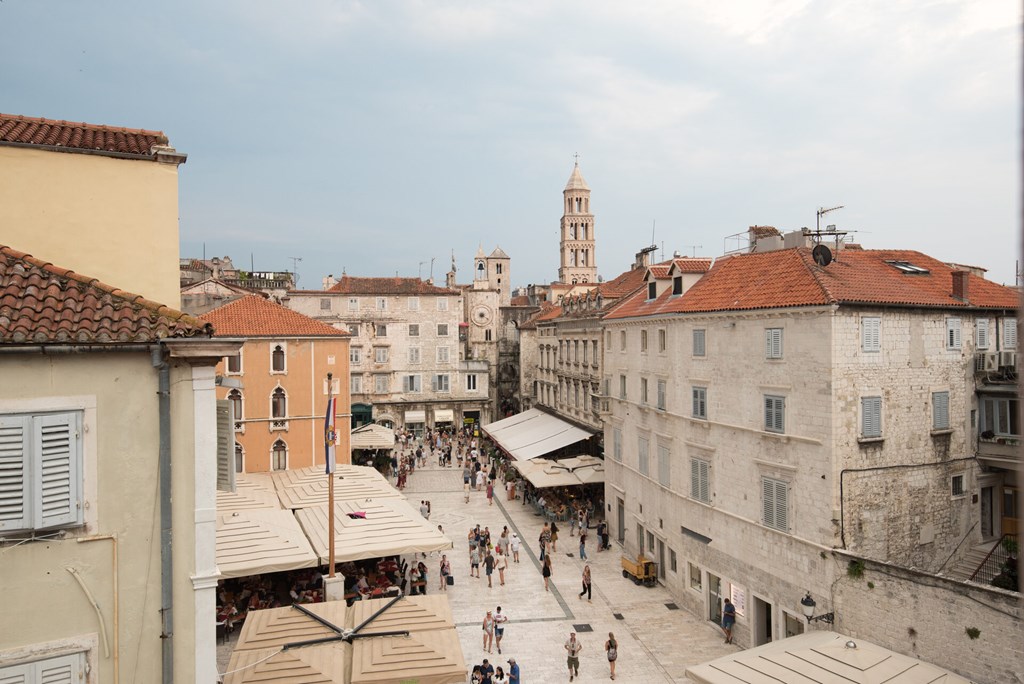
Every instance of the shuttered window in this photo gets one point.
(981, 333)
(664, 465)
(952, 333)
(871, 417)
(773, 343)
(662, 391)
(871, 334)
(699, 342)
(617, 442)
(65, 669)
(1009, 333)
(775, 503)
(643, 456)
(940, 410)
(225, 445)
(700, 402)
(774, 414)
(700, 480)
(40, 471)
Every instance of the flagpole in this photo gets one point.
(330, 480)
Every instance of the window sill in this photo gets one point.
(284, 372)
(278, 425)
(868, 441)
(942, 433)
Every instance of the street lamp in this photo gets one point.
(807, 604)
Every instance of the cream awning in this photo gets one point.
(309, 487)
(275, 627)
(373, 436)
(444, 415)
(391, 527)
(429, 657)
(258, 541)
(322, 664)
(820, 657)
(247, 495)
(533, 433)
(567, 472)
(415, 416)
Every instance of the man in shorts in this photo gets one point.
(499, 627)
(573, 647)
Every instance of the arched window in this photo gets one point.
(278, 404)
(481, 270)
(279, 456)
(239, 458)
(235, 397)
(277, 359)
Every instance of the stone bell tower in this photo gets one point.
(578, 259)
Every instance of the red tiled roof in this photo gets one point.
(78, 136)
(387, 286)
(623, 284)
(520, 300)
(545, 307)
(44, 304)
(790, 277)
(691, 264)
(659, 271)
(254, 316)
(764, 231)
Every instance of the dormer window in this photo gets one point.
(677, 285)
(907, 267)
(652, 290)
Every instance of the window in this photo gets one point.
(999, 417)
(414, 354)
(279, 404)
(497, 269)
(382, 303)
(622, 340)
(700, 402)
(442, 330)
(443, 354)
(907, 267)
(662, 340)
(355, 355)
(41, 462)
(664, 465)
(413, 304)
(65, 669)
(353, 329)
(956, 486)
(940, 410)
(414, 330)
(673, 562)
(279, 456)
(870, 417)
(381, 384)
(234, 364)
(652, 290)
(699, 342)
(487, 335)
(355, 384)
(325, 304)
(471, 382)
(643, 391)
(412, 383)
(1009, 333)
(441, 383)
(952, 333)
(277, 359)
(775, 510)
(617, 444)
(695, 577)
(700, 480)
(643, 340)
(353, 304)
(643, 454)
(622, 387)
(380, 354)
(677, 285)
(773, 343)
(381, 330)
(774, 414)
(442, 303)
(871, 334)
(981, 334)
(239, 458)
(662, 387)
(235, 397)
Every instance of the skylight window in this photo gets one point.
(907, 267)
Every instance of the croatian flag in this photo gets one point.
(330, 435)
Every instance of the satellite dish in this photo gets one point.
(822, 255)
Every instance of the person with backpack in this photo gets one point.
(611, 648)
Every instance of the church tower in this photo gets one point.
(578, 259)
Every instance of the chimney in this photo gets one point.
(960, 285)
(329, 282)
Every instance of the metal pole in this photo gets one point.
(330, 487)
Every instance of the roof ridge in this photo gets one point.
(805, 256)
(82, 124)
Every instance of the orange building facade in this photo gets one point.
(277, 385)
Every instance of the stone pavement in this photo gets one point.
(656, 643)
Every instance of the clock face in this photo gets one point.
(481, 315)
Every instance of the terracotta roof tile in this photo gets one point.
(691, 265)
(520, 300)
(78, 136)
(44, 304)
(764, 231)
(387, 286)
(787, 278)
(255, 316)
(623, 284)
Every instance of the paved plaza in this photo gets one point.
(656, 643)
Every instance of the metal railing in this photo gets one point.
(996, 558)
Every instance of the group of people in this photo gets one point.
(492, 554)
(573, 648)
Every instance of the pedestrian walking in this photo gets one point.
(601, 532)
(446, 570)
(480, 477)
(514, 543)
(501, 562)
(554, 537)
(486, 673)
(465, 490)
(474, 562)
(513, 671)
(573, 647)
(488, 627)
(424, 510)
(490, 493)
(583, 544)
(543, 540)
(489, 567)
(546, 571)
(587, 582)
(611, 648)
(728, 620)
(499, 627)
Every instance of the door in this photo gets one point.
(639, 540)
(714, 599)
(987, 517)
(1011, 510)
(620, 513)
(661, 560)
(762, 627)
(794, 625)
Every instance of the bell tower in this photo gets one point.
(578, 262)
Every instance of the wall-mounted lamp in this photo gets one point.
(807, 604)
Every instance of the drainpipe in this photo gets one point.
(166, 554)
(117, 592)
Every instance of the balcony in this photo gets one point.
(1002, 451)
(278, 425)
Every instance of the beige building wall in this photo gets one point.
(106, 205)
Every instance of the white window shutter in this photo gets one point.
(768, 504)
(56, 469)
(1009, 333)
(871, 416)
(781, 505)
(14, 475)
(705, 478)
(225, 446)
(695, 478)
(940, 410)
(16, 674)
(773, 343)
(981, 333)
(871, 334)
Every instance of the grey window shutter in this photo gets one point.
(225, 446)
(781, 506)
(62, 670)
(695, 479)
(940, 410)
(768, 503)
(57, 470)
(13, 474)
(705, 493)
(16, 674)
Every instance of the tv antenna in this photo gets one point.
(420, 276)
(822, 211)
(295, 269)
(695, 248)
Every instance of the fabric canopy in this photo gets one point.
(323, 665)
(533, 433)
(415, 416)
(373, 436)
(390, 527)
(275, 627)
(567, 472)
(308, 486)
(257, 541)
(429, 657)
(247, 495)
(820, 657)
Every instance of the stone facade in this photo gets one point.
(577, 244)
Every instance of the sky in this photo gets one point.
(376, 137)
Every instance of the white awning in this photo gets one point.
(415, 416)
(258, 541)
(444, 415)
(567, 472)
(373, 436)
(533, 433)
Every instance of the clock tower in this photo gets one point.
(578, 259)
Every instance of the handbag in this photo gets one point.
(450, 579)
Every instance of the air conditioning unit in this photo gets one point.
(991, 361)
(1007, 359)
